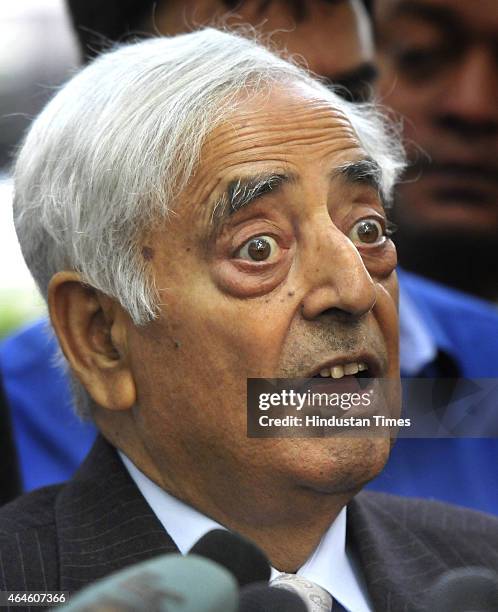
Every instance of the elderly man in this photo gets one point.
(335, 40)
(197, 211)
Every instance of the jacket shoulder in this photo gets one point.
(28, 542)
(30, 511)
(451, 531)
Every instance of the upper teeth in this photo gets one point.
(338, 371)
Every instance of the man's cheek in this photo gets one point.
(391, 287)
(381, 262)
(248, 281)
(256, 347)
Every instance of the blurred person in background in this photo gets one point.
(439, 69)
(335, 39)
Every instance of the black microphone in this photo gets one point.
(246, 561)
(465, 589)
(259, 597)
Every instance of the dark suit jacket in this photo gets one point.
(10, 482)
(67, 536)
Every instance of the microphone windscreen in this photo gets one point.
(259, 597)
(240, 556)
(465, 589)
(170, 583)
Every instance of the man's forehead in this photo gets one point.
(278, 131)
(270, 123)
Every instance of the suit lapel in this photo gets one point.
(103, 522)
(398, 566)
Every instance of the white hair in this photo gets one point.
(110, 152)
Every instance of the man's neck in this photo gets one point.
(289, 544)
(287, 524)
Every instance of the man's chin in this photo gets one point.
(347, 465)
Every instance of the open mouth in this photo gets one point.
(350, 377)
(358, 369)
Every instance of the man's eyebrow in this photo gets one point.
(365, 171)
(243, 191)
(439, 16)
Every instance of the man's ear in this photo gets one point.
(92, 331)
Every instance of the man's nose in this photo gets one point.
(336, 278)
(469, 106)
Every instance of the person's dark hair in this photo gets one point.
(98, 25)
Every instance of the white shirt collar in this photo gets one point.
(331, 566)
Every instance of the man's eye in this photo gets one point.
(368, 231)
(259, 248)
(418, 64)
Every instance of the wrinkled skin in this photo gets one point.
(225, 317)
(172, 394)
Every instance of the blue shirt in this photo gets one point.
(51, 440)
(435, 319)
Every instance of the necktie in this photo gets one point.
(315, 598)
